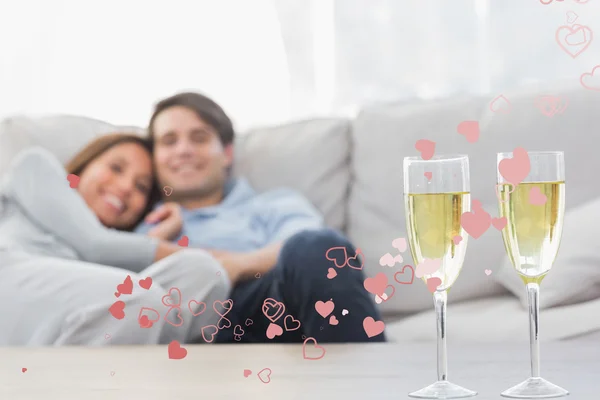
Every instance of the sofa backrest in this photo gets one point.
(382, 136)
(352, 170)
(310, 156)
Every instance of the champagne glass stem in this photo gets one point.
(440, 298)
(533, 297)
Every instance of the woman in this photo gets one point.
(64, 252)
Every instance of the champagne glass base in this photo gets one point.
(535, 388)
(443, 390)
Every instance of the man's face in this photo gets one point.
(188, 154)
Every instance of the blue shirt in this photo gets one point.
(245, 220)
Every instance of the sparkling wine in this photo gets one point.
(433, 222)
(533, 232)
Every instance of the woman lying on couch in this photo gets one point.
(64, 251)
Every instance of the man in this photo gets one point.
(277, 239)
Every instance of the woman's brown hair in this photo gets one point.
(103, 143)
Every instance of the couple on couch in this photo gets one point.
(75, 259)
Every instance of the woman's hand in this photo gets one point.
(168, 219)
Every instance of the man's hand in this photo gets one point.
(233, 263)
(241, 266)
(169, 220)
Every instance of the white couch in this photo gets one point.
(352, 171)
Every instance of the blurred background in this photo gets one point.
(272, 61)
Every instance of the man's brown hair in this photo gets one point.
(205, 108)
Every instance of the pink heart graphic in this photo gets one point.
(426, 148)
(293, 324)
(514, 170)
(265, 375)
(373, 328)
(224, 307)
(274, 330)
(223, 323)
(470, 130)
(247, 373)
(387, 260)
(176, 352)
(184, 241)
(206, 331)
(174, 313)
(316, 346)
(428, 175)
(151, 316)
(238, 331)
(73, 181)
(377, 284)
(193, 305)
(536, 197)
(476, 222)
(498, 194)
(355, 262)
(273, 309)
(385, 296)
(333, 320)
(331, 273)
(400, 244)
(433, 283)
(428, 267)
(338, 255)
(551, 105)
(571, 17)
(575, 39)
(324, 309)
(145, 283)
(488, 272)
(173, 298)
(145, 322)
(405, 281)
(499, 223)
(591, 80)
(500, 105)
(126, 287)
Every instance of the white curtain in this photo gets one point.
(271, 61)
(113, 59)
(386, 50)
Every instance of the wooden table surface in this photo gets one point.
(369, 371)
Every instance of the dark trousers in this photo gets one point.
(299, 280)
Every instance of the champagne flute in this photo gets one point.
(436, 194)
(531, 238)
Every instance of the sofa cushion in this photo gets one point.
(384, 135)
(309, 156)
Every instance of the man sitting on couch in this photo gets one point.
(277, 239)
